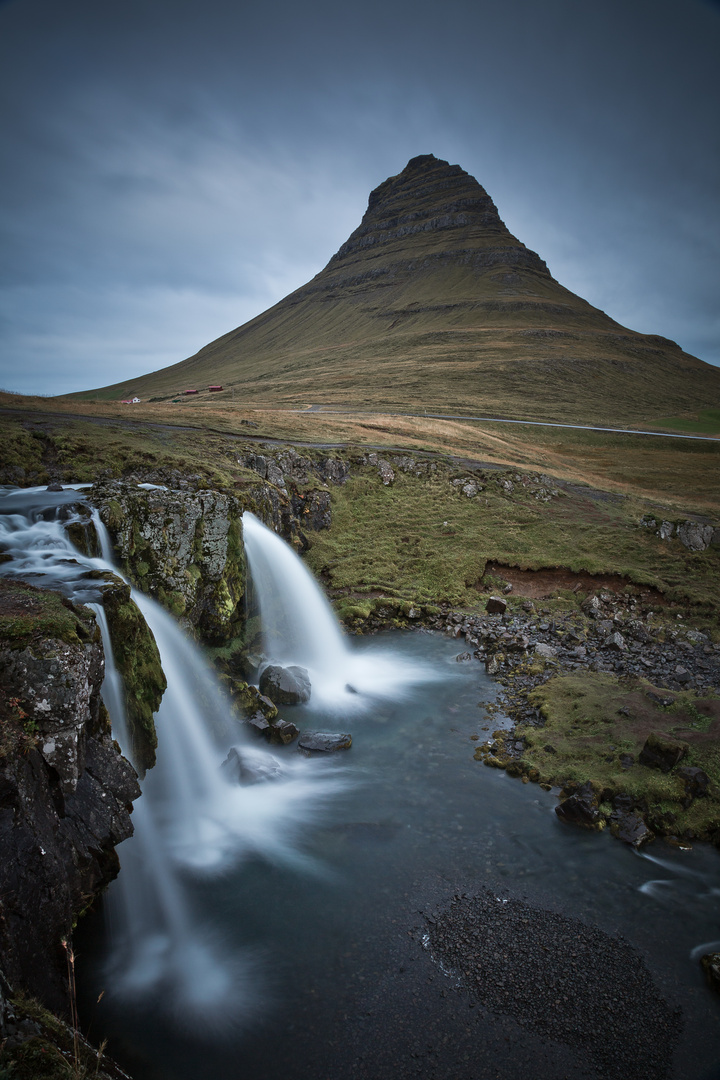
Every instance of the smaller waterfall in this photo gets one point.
(299, 627)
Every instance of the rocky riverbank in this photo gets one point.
(584, 681)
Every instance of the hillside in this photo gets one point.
(432, 303)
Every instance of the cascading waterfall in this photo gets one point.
(299, 627)
(191, 818)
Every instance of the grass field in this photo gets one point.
(421, 539)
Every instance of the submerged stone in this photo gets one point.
(323, 742)
(247, 767)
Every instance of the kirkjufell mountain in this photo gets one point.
(433, 303)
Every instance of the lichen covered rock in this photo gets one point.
(183, 547)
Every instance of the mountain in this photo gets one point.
(433, 303)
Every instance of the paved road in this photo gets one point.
(503, 420)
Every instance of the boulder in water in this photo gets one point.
(246, 767)
(282, 731)
(285, 685)
(323, 742)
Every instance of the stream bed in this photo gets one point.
(339, 979)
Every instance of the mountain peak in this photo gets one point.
(432, 300)
(435, 207)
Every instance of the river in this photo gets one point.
(323, 939)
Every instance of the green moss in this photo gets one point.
(28, 614)
(56, 1053)
(172, 600)
(138, 661)
(420, 541)
(593, 718)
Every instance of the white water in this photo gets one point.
(191, 818)
(299, 627)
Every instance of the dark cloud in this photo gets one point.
(169, 169)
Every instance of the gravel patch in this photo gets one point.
(560, 979)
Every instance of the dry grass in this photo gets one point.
(680, 474)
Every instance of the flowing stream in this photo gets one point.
(254, 931)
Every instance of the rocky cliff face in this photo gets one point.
(65, 790)
(432, 202)
(182, 547)
(185, 547)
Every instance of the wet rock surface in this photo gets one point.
(561, 979)
(246, 768)
(323, 742)
(285, 685)
(65, 800)
(183, 547)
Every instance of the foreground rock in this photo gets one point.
(323, 742)
(65, 791)
(285, 685)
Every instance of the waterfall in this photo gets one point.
(191, 819)
(299, 627)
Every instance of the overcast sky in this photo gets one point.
(170, 168)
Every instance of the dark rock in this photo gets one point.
(496, 605)
(627, 761)
(246, 767)
(350, 689)
(711, 966)
(54, 487)
(323, 742)
(285, 685)
(616, 641)
(463, 657)
(662, 752)
(696, 780)
(65, 795)
(660, 699)
(282, 732)
(581, 808)
(630, 828)
(259, 722)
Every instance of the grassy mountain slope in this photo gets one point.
(432, 303)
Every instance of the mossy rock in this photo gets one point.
(138, 661)
(28, 614)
